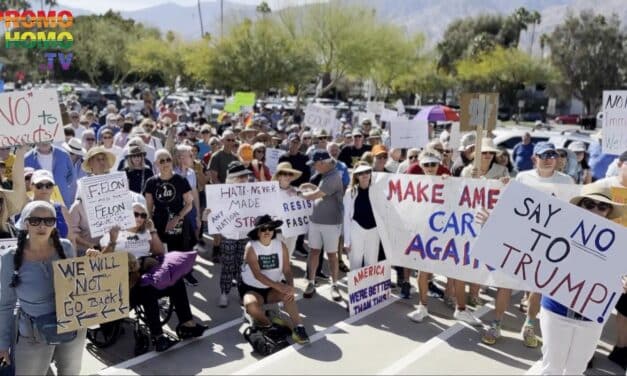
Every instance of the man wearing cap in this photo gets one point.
(219, 162)
(297, 159)
(466, 155)
(326, 219)
(380, 154)
(56, 160)
(351, 154)
(321, 136)
(374, 138)
(522, 153)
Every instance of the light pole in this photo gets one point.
(202, 30)
(221, 19)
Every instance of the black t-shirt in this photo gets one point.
(167, 196)
(351, 155)
(299, 162)
(362, 213)
(138, 178)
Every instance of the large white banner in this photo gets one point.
(368, 287)
(567, 253)
(29, 117)
(320, 117)
(234, 207)
(295, 213)
(107, 202)
(614, 122)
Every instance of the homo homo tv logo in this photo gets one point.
(42, 30)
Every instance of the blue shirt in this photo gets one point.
(560, 309)
(599, 162)
(341, 167)
(62, 171)
(202, 149)
(522, 156)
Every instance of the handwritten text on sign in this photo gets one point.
(91, 290)
(28, 117)
(320, 117)
(368, 287)
(614, 122)
(295, 214)
(479, 110)
(234, 207)
(569, 254)
(107, 202)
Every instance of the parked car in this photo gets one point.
(568, 119)
(566, 138)
(508, 138)
(90, 98)
(528, 116)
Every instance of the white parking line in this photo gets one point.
(535, 368)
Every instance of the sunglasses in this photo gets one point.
(487, 152)
(229, 140)
(164, 161)
(90, 139)
(358, 136)
(260, 151)
(266, 229)
(548, 155)
(106, 137)
(36, 221)
(413, 157)
(447, 151)
(322, 138)
(44, 185)
(382, 156)
(205, 132)
(140, 215)
(430, 164)
(306, 138)
(591, 204)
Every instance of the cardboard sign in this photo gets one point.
(29, 117)
(406, 133)
(563, 251)
(295, 213)
(320, 117)
(107, 202)
(91, 290)
(620, 195)
(375, 107)
(272, 158)
(614, 122)
(241, 99)
(234, 207)
(8, 243)
(368, 287)
(479, 109)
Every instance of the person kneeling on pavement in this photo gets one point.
(267, 278)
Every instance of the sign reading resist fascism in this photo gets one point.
(368, 287)
(565, 252)
(107, 202)
(234, 207)
(91, 290)
(295, 214)
(29, 117)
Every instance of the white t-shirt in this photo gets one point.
(531, 176)
(137, 244)
(270, 260)
(45, 160)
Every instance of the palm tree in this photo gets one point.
(535, 19)
(544, 40)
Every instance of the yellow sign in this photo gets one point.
(620, 195)
(91, 290)
(478, 109)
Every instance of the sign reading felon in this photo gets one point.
(91, 290)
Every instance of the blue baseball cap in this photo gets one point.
(543, 147)
(319, 155)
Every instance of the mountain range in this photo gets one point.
(427, 16)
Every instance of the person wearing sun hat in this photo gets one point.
(77, 152)
(351, 154)
(266, 278)
(285, 175)
(488, 167)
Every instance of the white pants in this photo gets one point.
(364, 246)
(568, 344)
(290, 243)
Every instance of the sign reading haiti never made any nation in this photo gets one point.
(567, 253)
(29, 117)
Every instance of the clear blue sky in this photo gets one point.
(103, 5)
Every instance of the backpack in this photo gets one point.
(266, 342)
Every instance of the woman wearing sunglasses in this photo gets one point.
(26, 276)
(11, 201)
(258, 164)
(142, 242)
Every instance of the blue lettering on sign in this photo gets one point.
(460, 226)
(603, 240)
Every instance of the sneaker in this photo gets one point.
(344, 268)
(310, 290)
(435, 291)
(529, 336)
(223, 301)
(278, 321)
(419, 314)
(185, 332)
(405, 290)
(163, 342)
(492, 334)
(450, 302)
(467, 317)
(301, 252)
(299, 335)
(335, 293)
(191, 279)
(474, 301)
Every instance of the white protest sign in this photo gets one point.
(295, 213)
(406, 133)
(375, 107)
(107, 202)
(614, 122)
(272, 158)
(455, 138)
(8, 243)
(400, 107)
(234, 207)
(567, 253)
(29, 117)
(550, 108)
(427, 223)
(320, 117)
(388, 115)
(368, 287)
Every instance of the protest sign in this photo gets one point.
(563, 251)
(241, 99)
(550, 108)
(368, 287)
(620, 195)
(388, 115)
(363, 116)
(29, 117)
(8, 243)
(272, 158)
(320, 117)
(107, 202)
(455, 138)
(375, 107)
(400, 107)
(614, 122)
(427, 223)
(295, 213)
(478, 110)
(406, 133)
(234, 207)
(91, 290)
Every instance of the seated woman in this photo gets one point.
(267, 277)
(142, 241)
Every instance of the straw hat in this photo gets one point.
(287, 167)
(487, 146)
(74, 146)
(600, 193)
(95, 151)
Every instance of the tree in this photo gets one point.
(155, 56)
(535, 19)
(263, 8)
(590, 51)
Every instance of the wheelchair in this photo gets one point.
(108, 333)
